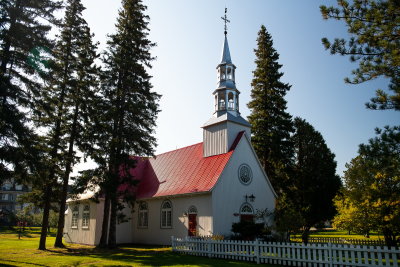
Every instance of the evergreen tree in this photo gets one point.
(66, 107)
(374, 43)
(314, 182)
(271, 123)
(128, 110)
(23, 41)
(81, 98)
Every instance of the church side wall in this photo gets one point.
(215, 139)
(124, 230)
(229, 193)
(92, 234)
(156, 235)
(80, 234)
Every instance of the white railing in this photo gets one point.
(289, 253)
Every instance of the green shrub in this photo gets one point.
(247, 230)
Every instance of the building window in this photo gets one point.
(75, 215)
(245, 174)
(166, 214)
(231, 105)
(221, 104)
(246, 213)
(86, 216)
(143, 221)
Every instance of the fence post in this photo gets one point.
(209, 247)
(257, 250)
(330, 254)
(172, 243)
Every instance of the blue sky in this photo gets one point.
(189, 37)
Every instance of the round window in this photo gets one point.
(245, 174)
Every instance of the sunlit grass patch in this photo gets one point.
(24, 252)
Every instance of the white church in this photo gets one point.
(199, 190)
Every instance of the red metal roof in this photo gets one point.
(180, 171)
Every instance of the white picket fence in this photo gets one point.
(291, 254)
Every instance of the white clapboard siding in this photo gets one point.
(293, 254)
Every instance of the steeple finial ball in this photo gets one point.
(225, 19)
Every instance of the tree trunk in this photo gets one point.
(390, 237)
(61, 216)
(104, 227)
(45, 219)
(54, 150)
(112, 235)
(305, 235)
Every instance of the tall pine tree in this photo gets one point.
(24, 26)
(81, 97)
(272, 125)
(66, 107)
(128, 109)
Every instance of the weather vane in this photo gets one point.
(225, 19)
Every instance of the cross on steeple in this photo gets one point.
(225, 19)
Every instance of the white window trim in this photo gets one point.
(143, 215)
(75, 217)
(86, 217)
(168, 215)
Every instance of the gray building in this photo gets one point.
(9, 192)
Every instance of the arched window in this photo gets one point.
(246, 212)
(229, 73)
(221, 100)
(75, 215)
(230, 101)
(86, 216)
(166, 214)
(222, 73)
(192, 210)
(143, 221)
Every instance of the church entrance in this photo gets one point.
(192, 224)
(192, 227)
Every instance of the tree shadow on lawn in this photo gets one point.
(147, 255)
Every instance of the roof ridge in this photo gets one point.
(178, 149)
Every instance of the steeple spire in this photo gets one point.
(226, 54)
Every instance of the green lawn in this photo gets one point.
(342, 234)
(23, 252)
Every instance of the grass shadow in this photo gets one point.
(147, 255)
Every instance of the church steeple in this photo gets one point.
(222, 129)
(226, 95)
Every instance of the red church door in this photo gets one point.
(192, 224)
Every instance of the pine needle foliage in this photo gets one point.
(314, 182)
(374, 29)
(66, 107)
(24, 43)
(128, 110)
(271, 124)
